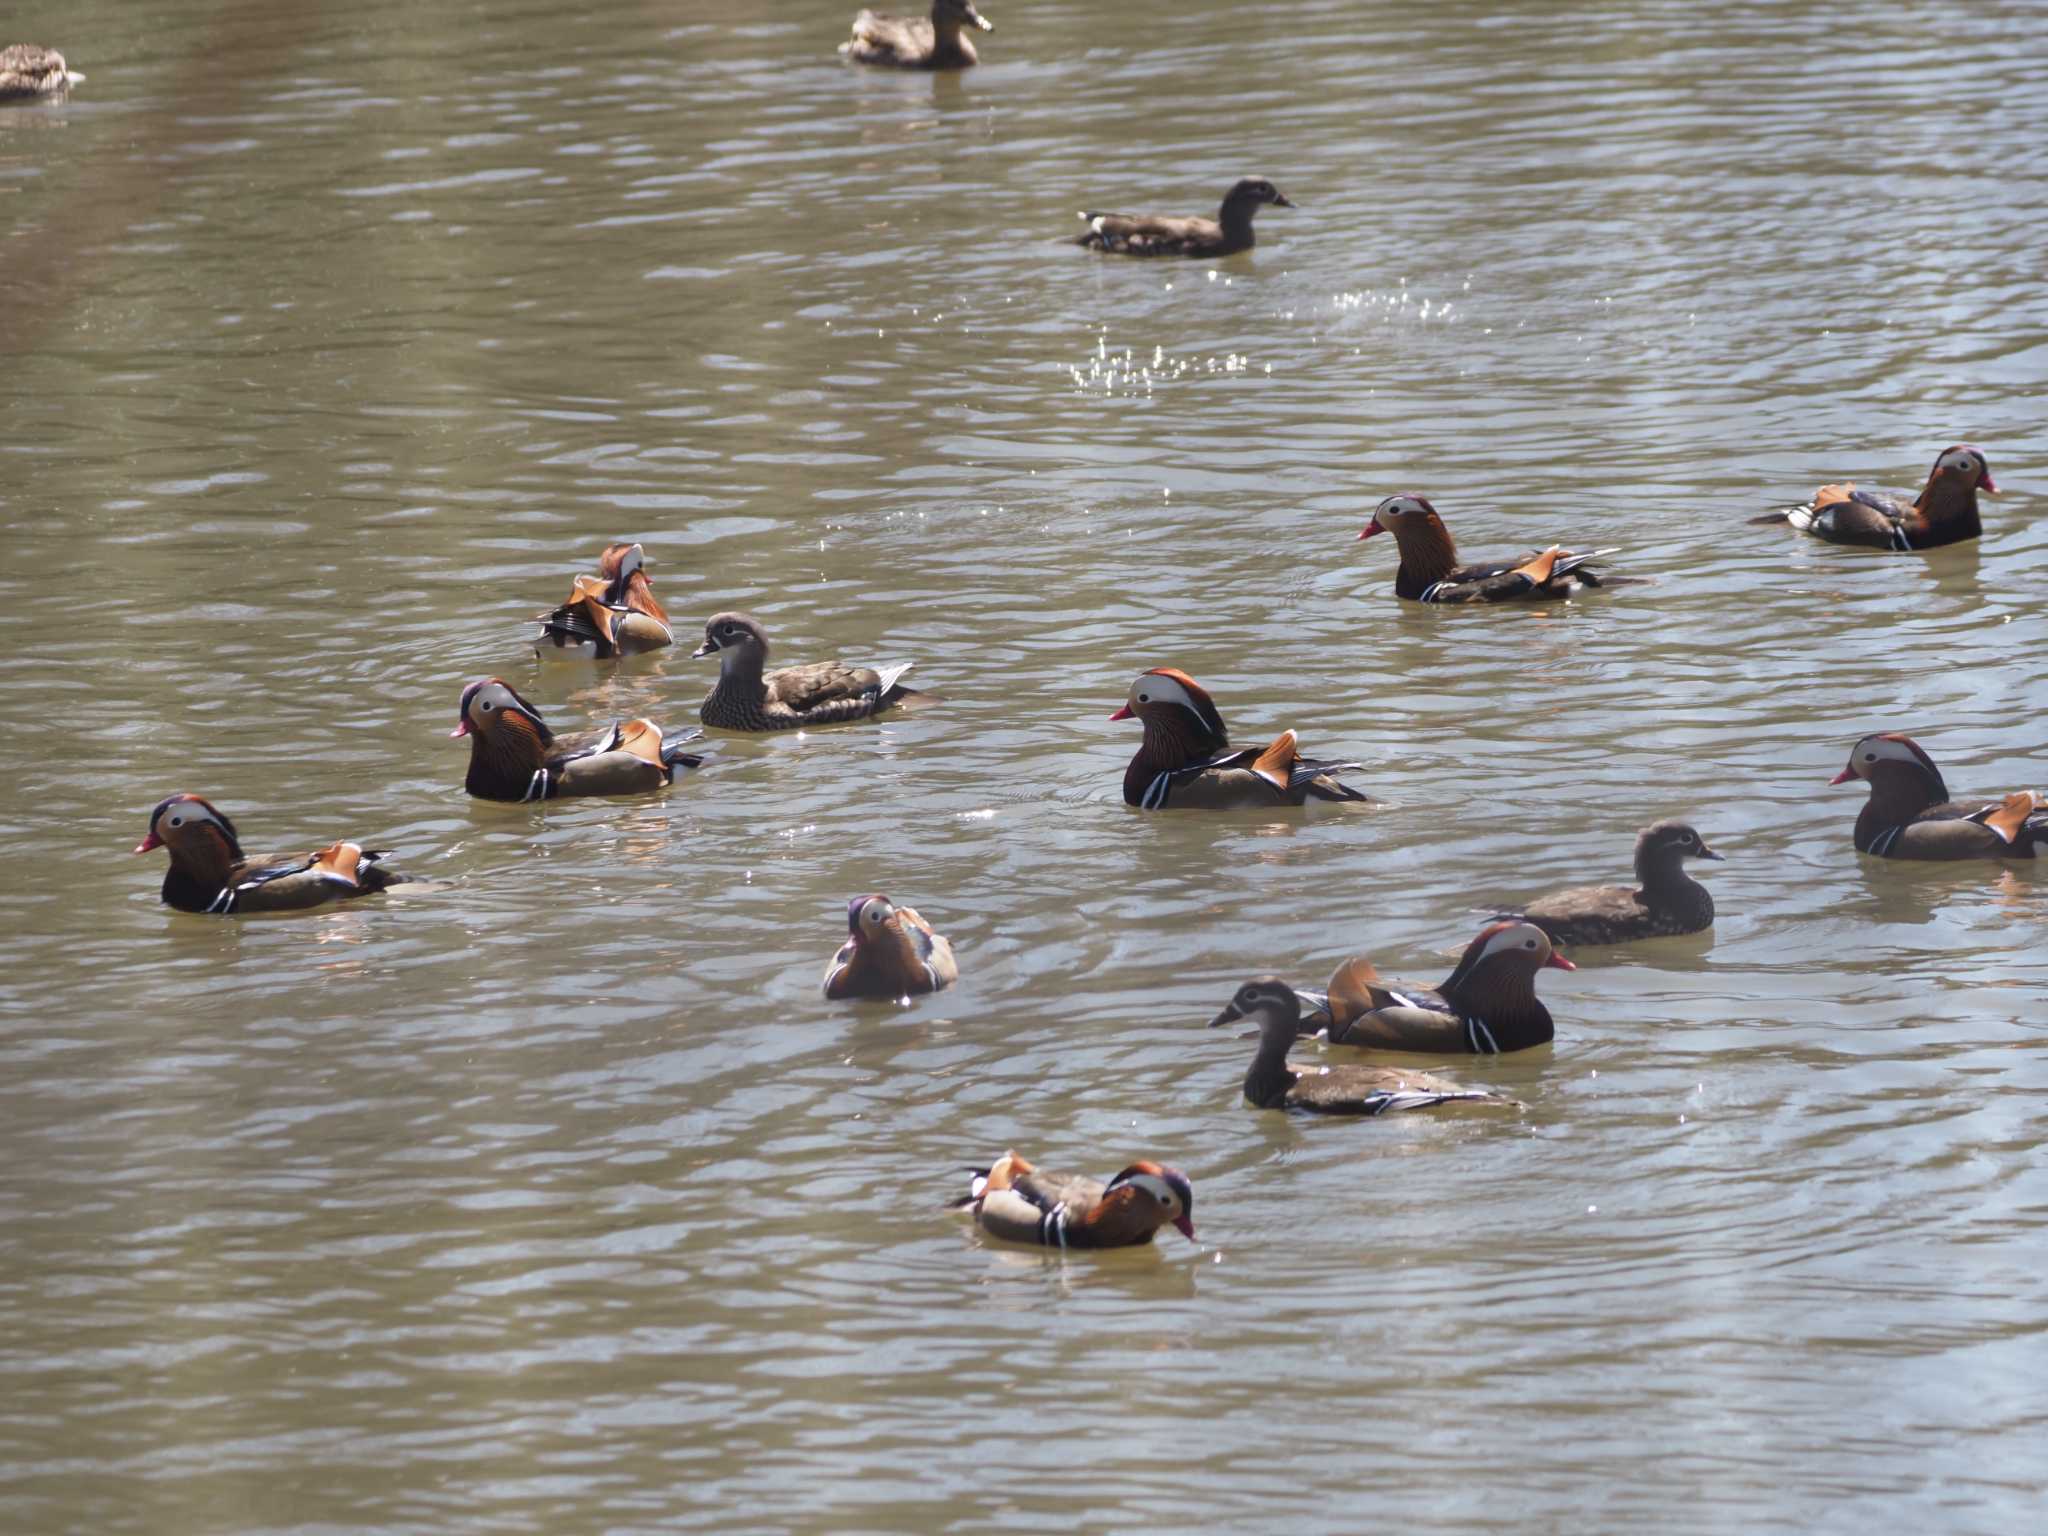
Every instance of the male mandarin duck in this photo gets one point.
(1945, 511)
(28, 72)
(210, 873)
(1487, 1006)
(1016, 1201)
(1187, 760)
(1150, 234)
(514, 756)
(1910, 816)
(614, 613)
(823, 693)
(890, 952)
(1669, 901)
(907, 43)
(1340, 1090)
(1430, 572)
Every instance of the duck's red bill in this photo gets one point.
(149, 842)
(1186, 1225)
(1122, 714)
(1844, 776)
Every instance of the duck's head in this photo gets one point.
(1167, 1189)
(1965, 468)
(1870, 755)
(1672, 840)
(1256, 190)
(1268, 999)
(1398, 514)
(1505, 956)
(180, 821)
(618, 565)
(868, 916)
(960, 13)
(733, 632)
(491, 704)
(1166, 694)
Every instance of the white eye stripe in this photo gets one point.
(1156, 1187)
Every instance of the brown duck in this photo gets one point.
(823, 693)
(210, 873)
(614, 613)
(1014, 1200)
(1151, 234)
(514, 756)
(1430, 572)
(1668, 901)
(889, 952)
(1187, 761)
(28, 72)
(907, 43)
(1945, 511)
(1910, 816)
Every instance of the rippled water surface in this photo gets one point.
(547, 1194)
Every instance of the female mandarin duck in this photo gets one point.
(210, 873)
(28, 72)
(1487, 1006)
(1015, 1201)
(1151, 234)
(823, 693)
(514, 756)
(1910, 816)
(907, 43)
(1430, 572)
(1945, 511)
(890, 952)
(1187, 760)
(1669, 901)
(614, 613)
(1341, 1090)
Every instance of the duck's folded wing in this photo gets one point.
(1141, 233)
(822, 683)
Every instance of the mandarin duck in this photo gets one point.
(890, 952)
(1151, 234)
(210, 873)
(1430, 572)
(1945, 511)
(1669, 901)
(907, 43)
(514, 756)
(1013, 1200)
(822, 693)
(28, 72)
(1910, 816)
(1487, 1006)
(1340, 1090)
(1187, 760)
(614, 613)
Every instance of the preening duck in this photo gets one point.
(1669, 901)
(1346, 1089)
(1013, 1200)
(823, 693)
(614, 613)
(1945, 511)
(1187, 760)
(514, 756)
(1151, 234)
(210, 873)
(907, 43)
(889, 952)
(28, 72)
(1910, 816)
(1430, 572)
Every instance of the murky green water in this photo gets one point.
(552, 1196)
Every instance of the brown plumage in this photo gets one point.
(1668, 901)
(514, 756)
(210, 873)
(1013, 1200)
(1910, 816)
(1430, 572)
(890, 952)
(908, 43)
(28, 72)
(614, 613)
(822, 693)
(1945, 511)
(1187, 762)
(1147, 234)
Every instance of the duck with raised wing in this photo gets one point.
(1151, 234)
(908, 43)
(28, 72)
(889, 952)
(1430, 572)
(514, 756)
(1910, 816)
(1669, 901)
(1347, 1089)
(614, 613)
(1015, 1201)
(822, 693)
(1945, 511)
(210, 873)
(1187, 761)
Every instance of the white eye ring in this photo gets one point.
(177, 821)
(485, 705)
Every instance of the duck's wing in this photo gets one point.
(1139, 234)
(1845, 513)
(1358, 1090)
(1549, 574)
(880, 38)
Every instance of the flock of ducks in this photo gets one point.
(1486, 1006)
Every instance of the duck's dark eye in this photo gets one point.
(485, 705)
(177, 821)
(1144, 698)
(1870, 757)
